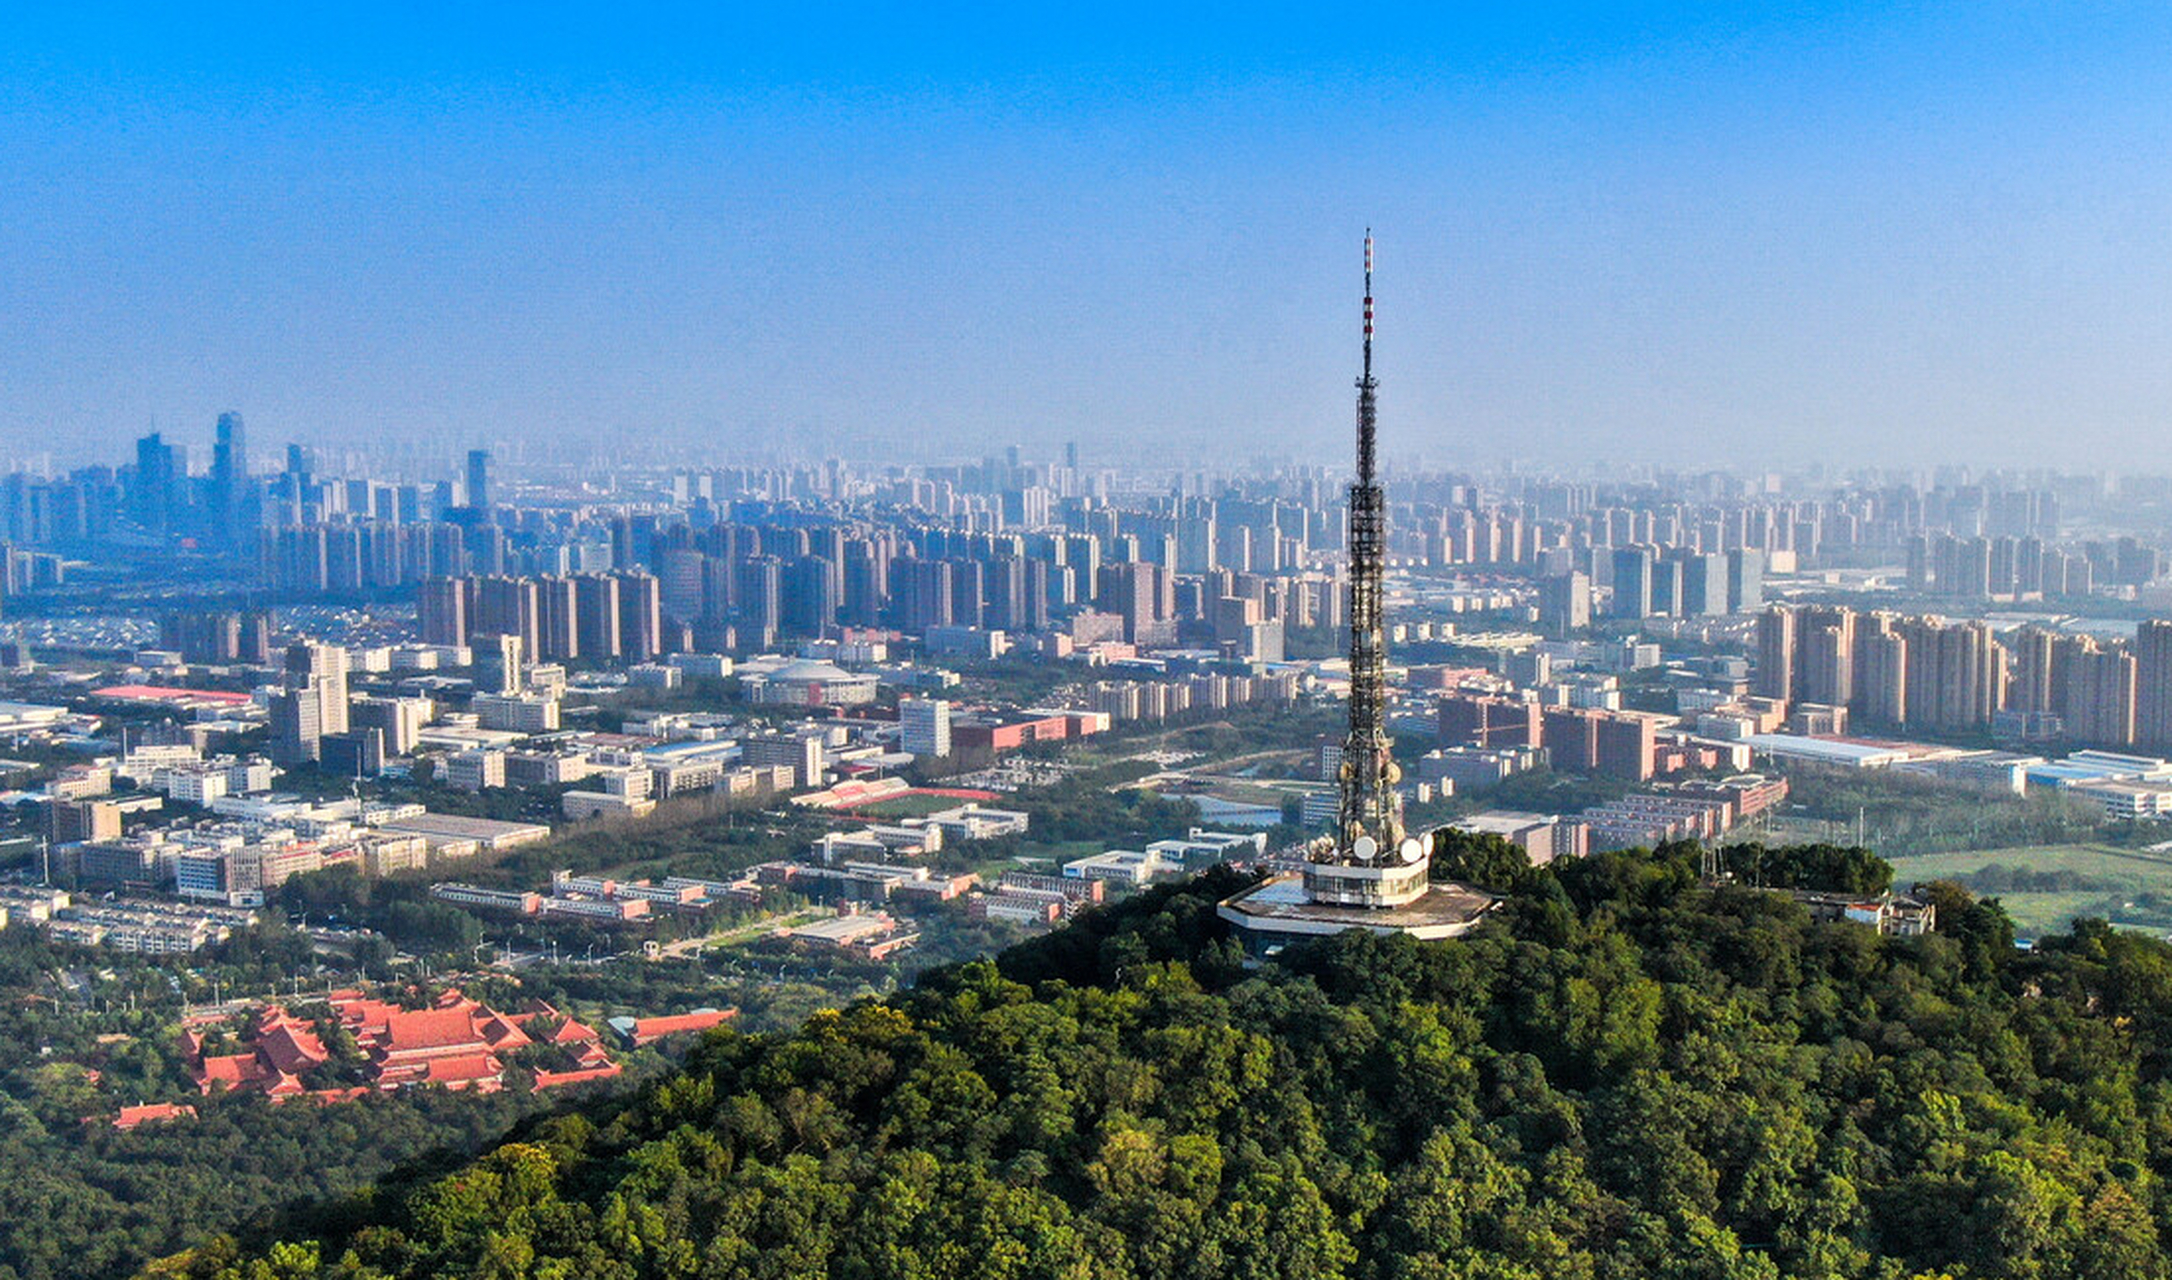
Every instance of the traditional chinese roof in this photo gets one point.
(292, 1047)
(422, 1030)
(468, 1069)
(149, 1113)
(553, 1079)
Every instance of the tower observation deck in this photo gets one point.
(1368, 872)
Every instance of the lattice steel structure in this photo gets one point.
(1369, 819)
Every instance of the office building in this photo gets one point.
(479, 476)
(1565, 603)
(321, 670)
(924, 726)
(1633, 572)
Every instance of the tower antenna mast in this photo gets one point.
(1369, 818)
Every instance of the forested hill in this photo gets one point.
(1626, 1077)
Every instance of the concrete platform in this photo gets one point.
(1276, 912)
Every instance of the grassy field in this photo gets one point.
(2112, 878)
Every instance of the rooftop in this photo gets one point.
(1277, 911)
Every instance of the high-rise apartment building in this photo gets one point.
(2153, 685)
(1825, 656)
(510, 607)
(1881, 687)
(1565, 603)
(1956, 673)
(441, 611)
(558, 622)
(2100, 693)
(640, 616)
(596, 596)
(1775, 674)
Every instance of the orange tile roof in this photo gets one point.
(648, 1029)
(150, 1113)
(553, 1079)
(292, 1048)
(471, 1069)
(420, 1030)
(336, 1095)
(230, 1069)
(499, 1031)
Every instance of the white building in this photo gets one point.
(516, 712)
(1127, 866)
(475, 770)
(924, 726)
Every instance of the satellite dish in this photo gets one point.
(1364, 847)
(1413, 849)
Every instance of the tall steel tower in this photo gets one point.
(1368, 873)
(1370, 806)
(1367, 858)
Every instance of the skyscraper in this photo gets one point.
(155, 497)
(230, 516)
(1775, 675)
(640, 616)
(441, 607)
(1632, 582)
(558, 625)
(479, 495)
(2100, 693)
(2153, 685)
(597, 595)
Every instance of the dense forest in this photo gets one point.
(1626, 1074)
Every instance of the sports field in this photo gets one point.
(2106, 881)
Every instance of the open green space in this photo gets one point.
(2044, 887)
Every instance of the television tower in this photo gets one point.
(1369, 820)
(1368, 872)
(1367, 857)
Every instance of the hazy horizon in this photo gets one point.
(1865, 237)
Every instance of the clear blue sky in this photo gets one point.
(1646, 232)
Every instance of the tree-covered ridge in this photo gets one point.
(1626, 1075)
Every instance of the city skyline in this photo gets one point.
(1913, 237)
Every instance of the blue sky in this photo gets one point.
(1675, 234)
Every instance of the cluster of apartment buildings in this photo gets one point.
(1127, 701)
(1689, 810)
(2032, 684)
(251, 844)
(1608, 743)
(135, 926)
